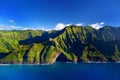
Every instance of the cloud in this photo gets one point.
(59, 26)
(15, 27)
(102, 23)
(79, 24)
(68, 24)
(10, 27)
(11, 21)
(97, 25)
(36, 28)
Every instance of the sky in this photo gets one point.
(56, 14)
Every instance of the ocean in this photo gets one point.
(61, 71)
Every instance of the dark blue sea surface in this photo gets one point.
(61, 71)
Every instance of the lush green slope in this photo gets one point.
(10, 39)
(73, 43)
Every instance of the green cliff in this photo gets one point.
(73, 44)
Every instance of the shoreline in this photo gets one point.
(1, 64)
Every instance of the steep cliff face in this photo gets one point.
(73, 43)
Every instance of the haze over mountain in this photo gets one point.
(71, 44)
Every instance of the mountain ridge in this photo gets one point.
(73, 44)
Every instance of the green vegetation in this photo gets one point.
(73, 43)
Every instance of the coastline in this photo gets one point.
(63, 62)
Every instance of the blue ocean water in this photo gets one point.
(61, 71)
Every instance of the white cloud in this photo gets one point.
(60, 26)
(11, 21)
(14, 27)
(79, 24)
(36, 28)
(9, 27)
(102, 23)
(97, 25)
(68, 24)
